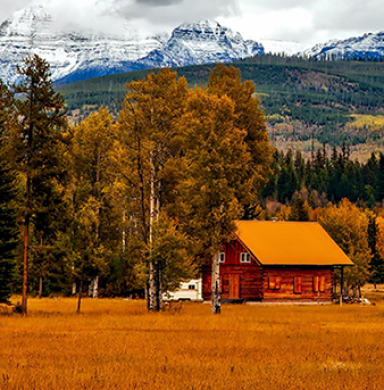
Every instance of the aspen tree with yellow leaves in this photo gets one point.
(348, 226)
(148, 145)
(92, 145)
(227, 157)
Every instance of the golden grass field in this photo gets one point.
(116, 344)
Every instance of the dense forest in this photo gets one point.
(305, 100)
(119, 202)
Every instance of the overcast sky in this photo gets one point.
(305, 21)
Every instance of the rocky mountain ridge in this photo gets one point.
(75, 56)
(366, 47)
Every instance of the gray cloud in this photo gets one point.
(170, 13)
(8, 7)
(159, 3)
(310, 21)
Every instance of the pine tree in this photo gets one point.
(299, 210)
(36, 142)
(8, 230)
(8, 224)
(377, 263)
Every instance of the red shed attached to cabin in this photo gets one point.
(277, 261)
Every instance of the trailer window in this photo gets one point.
(222, 257)
(191, 287)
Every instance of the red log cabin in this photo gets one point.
(277, 261)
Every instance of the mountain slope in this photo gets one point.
(307, 98)
(75, 56)
(366, 47)
(201, 43)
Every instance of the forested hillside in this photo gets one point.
(122, 201)
(305, 100)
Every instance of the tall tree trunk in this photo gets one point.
(160, 262)
(80, 293)
(123, 234)
(26, 239)
(95, 289)
(41, 287)
(215, 292)
(153, 290)
(41, 276)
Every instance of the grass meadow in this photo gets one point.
(116, 344)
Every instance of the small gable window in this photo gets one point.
(319, 283)
(245, 257)
(221, 257)
(297, 281)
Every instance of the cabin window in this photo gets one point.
(274, 282)
(191, 287)
(245, 257)
(221, 257)
(297, 280)
(319, 283)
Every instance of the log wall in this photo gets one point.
(253, 282)
(310, 278)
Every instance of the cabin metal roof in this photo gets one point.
(290, 243)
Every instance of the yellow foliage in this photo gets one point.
(380, 236)
(116, 344)
(369, 123)
(348, 226)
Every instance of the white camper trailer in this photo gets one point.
(188, 291)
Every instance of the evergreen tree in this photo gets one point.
(380, 179)
(8, 224)
(377, 263)
(287, 182)
(299, 210)
(35, 143)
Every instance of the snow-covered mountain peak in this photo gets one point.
(208, 30)
(26, 22)
(367, 46)
(77, 56)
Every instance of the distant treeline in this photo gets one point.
(317, 93)
(322, 178)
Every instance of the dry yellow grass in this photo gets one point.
(116, 344)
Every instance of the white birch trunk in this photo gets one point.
(215, 291)
(152, 268)
(123, 234)
(95, 287)
(73, 288)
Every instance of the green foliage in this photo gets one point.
(299, 210)
(8, 223)
(332, 177)
(8, 235)
(318, 97)
(35, 145)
